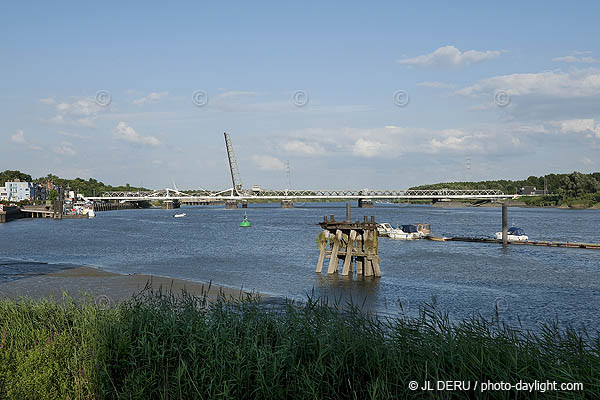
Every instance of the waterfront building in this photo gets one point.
(3, 193)
(19, 191)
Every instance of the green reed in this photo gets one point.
(161, 345)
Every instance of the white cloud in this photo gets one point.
(81, 112)
(65, 149)
(48, 101)
(450, 56)
(303, 148)
(152, 97)
(577, 57)
(268, 163)
(576, 83)
(19, 137)
(126, 133)
(394, 141)
(437, 85)
(587, 125)
(72, 135)
(367, 148)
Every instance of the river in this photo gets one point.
(278, 254)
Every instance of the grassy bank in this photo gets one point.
(162, 346)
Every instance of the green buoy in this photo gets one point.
(245, 223)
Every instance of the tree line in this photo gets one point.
(562, 189)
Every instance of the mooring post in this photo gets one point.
(347, 212)
(504, 223)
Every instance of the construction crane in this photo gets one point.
(236, 179)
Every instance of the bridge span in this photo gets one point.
(299, 195)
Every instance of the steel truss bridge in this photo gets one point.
(315, 195)
(238, 193)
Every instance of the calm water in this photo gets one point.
(278, 256)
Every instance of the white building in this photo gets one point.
(3, 193)
(19, 191)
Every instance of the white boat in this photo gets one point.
(384, 229)
(514, 235)
(405, 232)
(180, 215)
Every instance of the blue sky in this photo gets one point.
(397, 94)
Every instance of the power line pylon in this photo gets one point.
(236, 179)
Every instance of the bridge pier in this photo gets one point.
(244, 203)
(287, 204)
(171, 204)
(231, 205)
(365, 203)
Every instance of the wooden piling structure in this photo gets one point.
(355, 244)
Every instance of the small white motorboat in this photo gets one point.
(384, 229)
(181, 215)
(514, 235)
(405, 232)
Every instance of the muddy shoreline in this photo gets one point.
(104, 286)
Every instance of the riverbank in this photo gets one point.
(511, 203)
(160, 346)
(106, 287)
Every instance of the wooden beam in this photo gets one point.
(322, 248)
(349, 249)
(359, 259)
(333, 261)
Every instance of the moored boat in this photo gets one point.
(405, 232)
(514, 235)
(384, 229)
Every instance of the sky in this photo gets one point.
(350, 95)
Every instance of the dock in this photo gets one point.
(542, 243)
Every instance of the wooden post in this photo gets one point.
(368, 265)
(333, 261)
(504, 223)
(347, 212)
(348, 259)
(359, 259)
(322, 248)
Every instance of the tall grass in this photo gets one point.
(158, 345)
